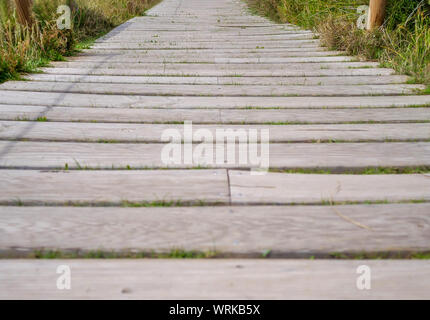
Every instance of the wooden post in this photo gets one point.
(72, 4)
(376, 14)
(23, 10)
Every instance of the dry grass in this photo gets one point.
(403, 43)
(23, 49)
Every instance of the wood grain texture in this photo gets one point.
(267, 81)
(94, 132)
(149, 70)
(98, 187)
(91, 56)
(295, 35)
(340, 158)
(288, 231)
(205, 37)
(237, 60)
(213, 116)
(211, 90)
(132, 101)
(214, 279)
(376, 14)
(197, 68)
(206, 45)
(280, 188)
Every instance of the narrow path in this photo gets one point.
(89, 132)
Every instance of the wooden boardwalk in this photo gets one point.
(82, 142)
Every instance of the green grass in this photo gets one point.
(178, 203)
(103, 254)
(210, 254)
(359, 171)
(147, 204)
(403, 43)
(24, 49)
(406, 255)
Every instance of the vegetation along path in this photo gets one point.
(81, 167)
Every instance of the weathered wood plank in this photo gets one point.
(183, 30)
(156, 39)
(129, 101)
(232, 68)
(98, 187)
(189, 59)
(280, 188)
(116, 186)
(288, 231)
(210, 52)
(268, 81)
(208, 116)
(111, 115)
(201, 37)
(214, 279)
(120, 156)
(89, 56)
(343, 157)
(284, 52)
(93, 132)
(211, 72)
(206, 45)
(230, 60)
(326, 116)
(212, 90)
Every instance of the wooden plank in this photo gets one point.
(99, 57)
(198, 68)
(212, 90)
(289, 40)
(326, 116)
(206, 45)
(231, 60)
(215, 52)
(129, 101)
(124, 37)
(280, 188)
(214, 279)
(200, 22)
(98, 187)
(111, 115)
(93, 132)
(272, 81)
(158, 27)
(343, 157)
(179, 31)
(155, 38)
(198, 37)
(211, 72)
(212, 116)
(295, 231)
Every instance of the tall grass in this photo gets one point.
(23, 49)
(403, 42)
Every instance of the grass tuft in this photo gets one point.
(23, 49)
(103, 254)
(402, 43)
